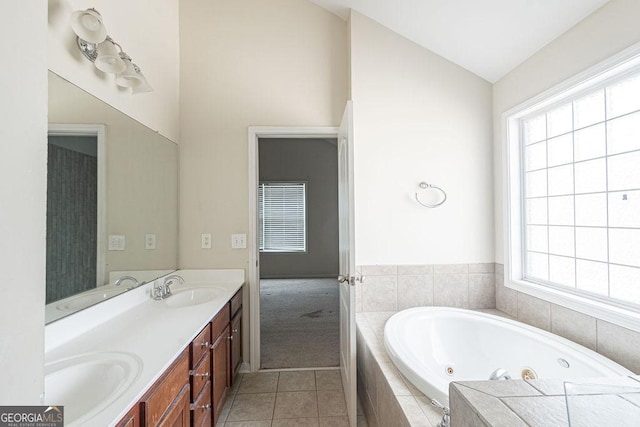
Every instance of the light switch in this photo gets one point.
(149, 241)
(116, 242)
(205, 241)
(238, 241)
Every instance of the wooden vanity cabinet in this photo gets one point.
(132, 419)
(235, 306)
(220, 359)
(193, 390)
(167, 401)
(200, 378)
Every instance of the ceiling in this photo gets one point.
(487, 37)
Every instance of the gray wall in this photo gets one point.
(316, 162)
(71, 220)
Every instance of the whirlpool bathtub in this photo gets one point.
(433, 346)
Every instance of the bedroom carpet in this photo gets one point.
(299, 323)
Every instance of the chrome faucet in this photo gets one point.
(446, 413)
(499, 374)
(163, 291)
(119, 281)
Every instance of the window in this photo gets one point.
(574, 188)
(282, 217)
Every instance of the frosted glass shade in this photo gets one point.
(128, 77)
(108, 59)
(87, 24)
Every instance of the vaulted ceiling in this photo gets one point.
(487, 37)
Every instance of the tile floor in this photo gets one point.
(287, 399)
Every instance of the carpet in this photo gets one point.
(299, 323)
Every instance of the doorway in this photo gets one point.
(75, 209)
(298, 252)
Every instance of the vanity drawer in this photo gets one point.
(200, 375)
(200, 345)
(236, 302)
(164, 393)
(201, 409)
(220, 323)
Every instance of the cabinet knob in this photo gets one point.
(205, 407)
(230, 337)
(205, 344)
(235, 331)
(195, 374)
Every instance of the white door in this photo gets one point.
(347, 263)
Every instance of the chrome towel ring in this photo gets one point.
(423, 185)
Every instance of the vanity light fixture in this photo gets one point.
(104, 52)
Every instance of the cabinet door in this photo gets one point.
(179, 413)
(163, 395)
(220, 360)
(132, 419)
(236, 346)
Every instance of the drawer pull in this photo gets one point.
(195, 374)
(195, 407)
(204, 344)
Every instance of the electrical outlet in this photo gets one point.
(238, 241)
(116, 242)
(149, 241)
(205, 241)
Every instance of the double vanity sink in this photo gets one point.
(98, 367)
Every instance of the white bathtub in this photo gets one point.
(433, 346)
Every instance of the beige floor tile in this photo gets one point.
(295, 422)
(264, 423)
(296, 404)
(252, 407)
(328, 380)
(222, 418)
(260, 382)
(334, 421)
(331, 403)
(296, 381)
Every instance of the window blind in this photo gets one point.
(282, 217)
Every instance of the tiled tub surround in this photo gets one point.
(387, 397)
(396, 287)
(619, 344)
(541, 403)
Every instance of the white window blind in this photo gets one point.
(282, 217)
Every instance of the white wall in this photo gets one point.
(418, 117)
(605, 32)
(264, 63)
(23, 167)
(148, 32)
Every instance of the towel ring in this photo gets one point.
(425, 186)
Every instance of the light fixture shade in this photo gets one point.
(144, 85)
(128, 77)
(87, 24)
(108, 59)
(132, 77)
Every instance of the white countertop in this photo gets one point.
(148, 329)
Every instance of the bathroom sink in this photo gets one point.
(191, 296)
(88, 383)
(89, 298)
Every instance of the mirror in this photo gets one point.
(112, 201)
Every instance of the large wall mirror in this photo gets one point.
(112, 196)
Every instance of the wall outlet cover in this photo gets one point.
(149, 241)
(116, 242)
(205, 241)
(238, 241)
